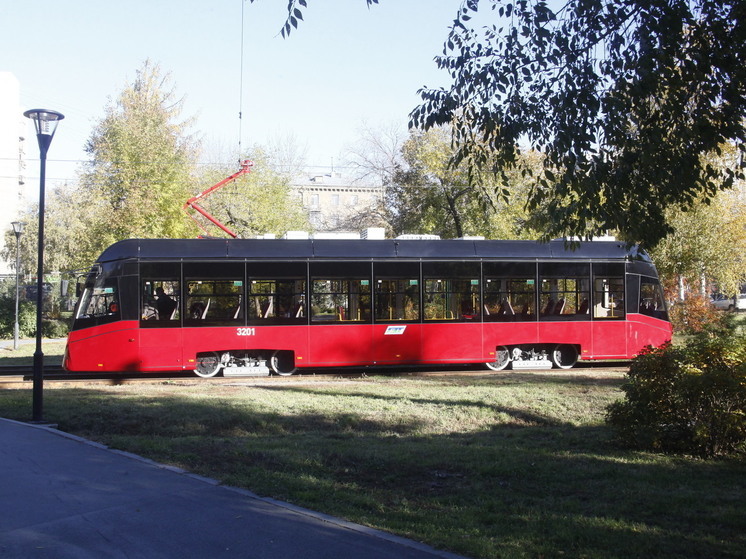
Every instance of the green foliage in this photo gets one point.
(430, 195)
(623, 99)
(26, 317)
(694, 314)
(140, 171)
(708, 240)
(55, 328)
(689, 399)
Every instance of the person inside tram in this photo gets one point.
(165, 304)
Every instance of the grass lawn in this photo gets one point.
(24, 355)
(495, 465)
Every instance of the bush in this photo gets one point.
(26, 318)
(54, 328)
(694, 315)
(689, 399)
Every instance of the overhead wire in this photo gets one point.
(240, 85)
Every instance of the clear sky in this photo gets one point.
(345, 65)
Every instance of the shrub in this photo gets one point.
(694, 315)
(26, 317)
(689, 399)
(54, 328)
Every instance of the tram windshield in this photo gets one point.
(99, 299)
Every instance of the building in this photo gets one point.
(12, 158)
(334, 204)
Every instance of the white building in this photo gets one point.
(333, 203)
(12, 157)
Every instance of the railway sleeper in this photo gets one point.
(243, 363)
(536, 357)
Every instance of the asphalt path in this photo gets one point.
(64, 497)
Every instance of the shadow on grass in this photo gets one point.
(525, 487)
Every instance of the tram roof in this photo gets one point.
(450, 249)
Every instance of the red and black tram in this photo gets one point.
(256, 306)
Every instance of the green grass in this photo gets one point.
(24, 355)
(506, 465)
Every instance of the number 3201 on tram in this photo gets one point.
(258, 306)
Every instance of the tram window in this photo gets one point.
(397, 299)
(509, 299)
(651, 298)
(397, 291)
(608, 291)
(278, 301)
(214, 300)
(451, 290)
(564, 291)
(160, 294)
(100, 301)
(340, 292)
(345, 300)
(160, 300)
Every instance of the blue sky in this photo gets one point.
(345, 65)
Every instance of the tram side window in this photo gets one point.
(160, 300)
(509, 299)
(337, 299)
(451, 291)
(397, 291)
(278, 301)
(564, 292)
(214, 300)
(340, 292)
(397, 299)
(651, 298)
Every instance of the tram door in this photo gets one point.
(609, 326)
(397, 334)
(161, 336)
(340, 313)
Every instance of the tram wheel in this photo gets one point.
(564, 356)
(283, 363)
(208, 364)
(502, 359)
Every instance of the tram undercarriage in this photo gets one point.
(242, 363)
(534, 357)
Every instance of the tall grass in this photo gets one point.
(505, 465)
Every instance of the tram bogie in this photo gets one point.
(535, 357)
(242, 363)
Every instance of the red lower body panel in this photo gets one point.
(124, 346)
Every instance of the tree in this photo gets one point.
(141, 165)
(624, 99)
(257, 203)
(708, 245)
(425, 194)
(64, 234)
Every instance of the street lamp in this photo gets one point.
(17, 230)
(46, 123)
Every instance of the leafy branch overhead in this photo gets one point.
(625, 99)
(295, 14)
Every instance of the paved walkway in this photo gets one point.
(64, 497)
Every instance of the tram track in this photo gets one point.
(21, 376)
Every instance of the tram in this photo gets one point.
(253, 307)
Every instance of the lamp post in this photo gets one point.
(45, 123)
(17, 230)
